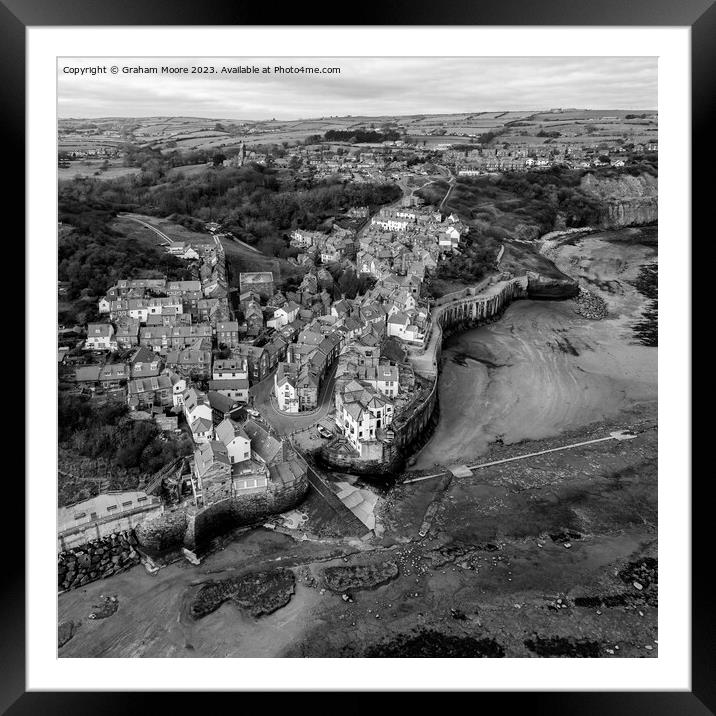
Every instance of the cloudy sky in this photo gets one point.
(370, 86)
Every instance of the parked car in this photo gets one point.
(323, 432)
(253, 413)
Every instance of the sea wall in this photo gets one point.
(97, 559)
(192, 527)
(411, 428)
(235, 512)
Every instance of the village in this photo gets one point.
(299, 371)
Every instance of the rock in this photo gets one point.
(638, 586)
(359, 576)
(256, 592)
(65, 631)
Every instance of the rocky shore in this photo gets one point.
(589, 305)
(97, 559)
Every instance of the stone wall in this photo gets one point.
(235, 512)
(389, 461)
(163, 533)
(190, 527)
(97, 559)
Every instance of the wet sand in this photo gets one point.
(543, 369)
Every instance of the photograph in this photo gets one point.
(357, 356)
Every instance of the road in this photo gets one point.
(159, 233)
(451, 181)
(240, 243)
(284, 423)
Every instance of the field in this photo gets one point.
(93, 168)
(515, 127)
(239, 256)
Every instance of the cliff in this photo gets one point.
(626, 200)
(546, 287)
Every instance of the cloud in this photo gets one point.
(372, 86)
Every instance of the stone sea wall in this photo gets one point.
(413, 428)
(191, 528)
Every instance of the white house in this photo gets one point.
(202, 430)
(178, 388)
(100, 337)
(384, 378)
(235, 388)
(230, 368)
(284, 315)
(197, 411)
(236, 441)
(359, 424)
(285, 388)
(400, 326)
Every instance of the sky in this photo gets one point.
(365, 86)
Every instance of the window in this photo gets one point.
(111, 507)
(127, 504)
(80, 515)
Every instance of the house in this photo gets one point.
(215, 478)
(211, 474)
(359, 424)
(186, 336)
(156, 337)
(234, 439)
(144, 363)
(227, 333)
(259, 281)
(400, 326)
(190, 363)
(112, 375)
(127, 334)
(383, 377)
(178, 388)
(196, 406)
(100, 337)
(264, 446)
(285, 388)
(87, 375)
(307, 385)
(276, 350)
(257, 361)
(230, 368)
(144, 393)
(221, 405)
(254, 317)
(237, 389)
(284, 315)
(202, 430)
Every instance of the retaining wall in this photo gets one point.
(191, 527)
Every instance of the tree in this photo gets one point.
(219, 159)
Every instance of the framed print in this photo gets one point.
(353, 337)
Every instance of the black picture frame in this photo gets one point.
(699, 15)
